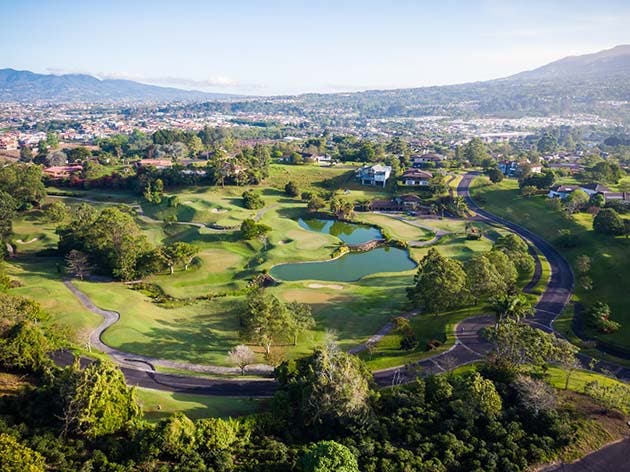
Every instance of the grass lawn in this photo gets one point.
(398, 229)
(609, 255)
(157, 404)
(387, 353)
(41, 282)
(201, 332)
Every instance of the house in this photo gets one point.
(424, 159)
(416, 178)
(563, 191)
(511, 168)
(618, 196)
(374, 175)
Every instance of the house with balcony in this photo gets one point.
(374, 175)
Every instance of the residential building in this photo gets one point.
(416, 178)
(374, 175)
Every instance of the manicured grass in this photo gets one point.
(42, 282)
(556, 377)
(609, 255)
(201, 332)
(457, 247)
(157, 404)
(387, 353)
(398, 229)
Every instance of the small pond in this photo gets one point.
(349, 233)
(348, 268)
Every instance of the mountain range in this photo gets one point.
(595, 83)
(21, 86)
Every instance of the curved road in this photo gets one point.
(558, 290)
(469, 344)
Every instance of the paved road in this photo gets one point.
(470, 346)
(560, 285)
(558, 291)
(613, 458)
(144, 377)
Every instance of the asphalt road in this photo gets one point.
(560, 285)
(469, 346)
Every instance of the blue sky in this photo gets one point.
(274, 47)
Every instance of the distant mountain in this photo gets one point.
(610, 62)
(597, 84)
(21, 86)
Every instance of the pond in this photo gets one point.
(349, 233)
(348, 268)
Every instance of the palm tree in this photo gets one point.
(511, 307)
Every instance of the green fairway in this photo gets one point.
(157, 404)
(609, 254)
(41, 282)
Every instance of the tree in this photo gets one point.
(598, 200)
(437, 184)
(111, 236)
(16, 457)
(55, 212)
(504, 266)
(301, 319)
(328, 456)
(178, 253)
(98, 401)
(483, 278)
(264, 319)
(78, 264)
(495, 175)
(518, 252)
(252, 200)
(327, 391)
(342, 209)
(518, 344)
(475, 151)
(316, 204)
(547, 144)
(482, 395)
(291, 189)
(23, 182)
(583, 264)
(25, 347)
(242, 356)
(511, 307)
(599, 317)
(608, 221)
(529, 191)
(8, 207)
(252, 230)
(26, 154)
(535, 395)
(576, 200)
(439, 283)
(52, 140)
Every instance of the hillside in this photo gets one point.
(594, 83)
(606, 63)
(20, 86)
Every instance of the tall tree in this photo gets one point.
(439, 283)
(264, 319)
(98, 401)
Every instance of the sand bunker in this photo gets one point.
(218, 210)
(333, 286)
(26, 242)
